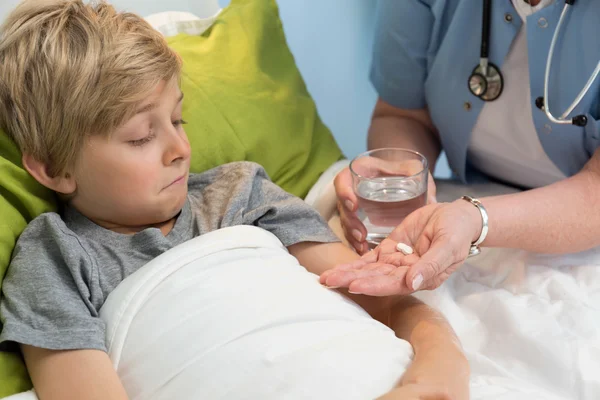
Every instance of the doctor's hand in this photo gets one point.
(440, 235)
(354, 230)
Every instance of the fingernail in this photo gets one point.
(357, 235)
(417, 282)
(349, 205)
(331, 287)
(351, 292)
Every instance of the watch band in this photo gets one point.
(474, 249)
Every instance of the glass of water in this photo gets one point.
(390, 183)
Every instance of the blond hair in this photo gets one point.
(69, 69)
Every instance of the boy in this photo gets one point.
(91, 98)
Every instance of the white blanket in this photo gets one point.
(231, 315)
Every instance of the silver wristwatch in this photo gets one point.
(474, 249)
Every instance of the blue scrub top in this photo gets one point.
(425, 51)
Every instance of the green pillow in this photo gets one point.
(244, 100)
(22, 199)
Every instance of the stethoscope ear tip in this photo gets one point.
(539, 103)
(580, 120)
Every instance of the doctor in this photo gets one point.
(508, 89)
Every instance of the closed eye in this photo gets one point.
(142, 141)
(179, 122)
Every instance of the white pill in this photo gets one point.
(404, 248)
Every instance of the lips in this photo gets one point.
(180, 179)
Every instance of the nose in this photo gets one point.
(178, 148)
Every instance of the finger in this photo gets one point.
(340, 278)
(387, 246)
(354, 230)
(398, 259)
(435, 260)
(393, 283)
(367, 261)
(357, 264)
(361, 248)
(344, 191)
(374, 255)
(371, 256)
(341, 267)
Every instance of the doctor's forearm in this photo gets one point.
(560, 218)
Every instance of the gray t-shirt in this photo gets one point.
(63, 269)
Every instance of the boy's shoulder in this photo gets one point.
(47, 228)
(44, 248)
(49, 221)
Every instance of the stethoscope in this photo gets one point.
(486, 80)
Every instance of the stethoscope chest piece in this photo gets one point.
(487, 85)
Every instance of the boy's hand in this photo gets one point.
(417, 392)
(441, 367)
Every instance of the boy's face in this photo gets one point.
(137, 177)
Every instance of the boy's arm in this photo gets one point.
(72, 374)
(438, 360)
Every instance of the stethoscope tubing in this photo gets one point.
(563, 118)
(580, 120)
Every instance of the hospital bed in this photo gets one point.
(529, 323)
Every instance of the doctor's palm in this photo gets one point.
(440, 235)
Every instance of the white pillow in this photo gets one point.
(172, 23)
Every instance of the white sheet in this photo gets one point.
(530, 323)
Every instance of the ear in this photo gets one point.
(64, 184)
